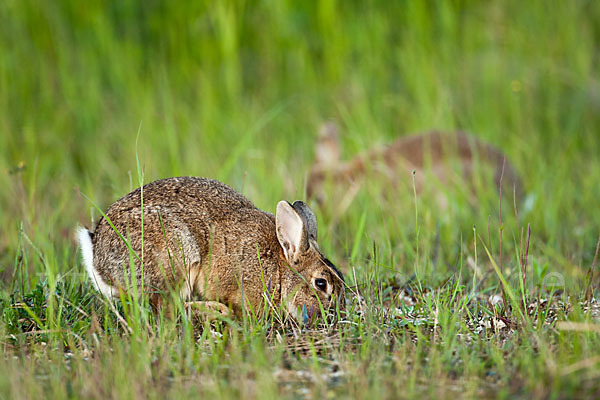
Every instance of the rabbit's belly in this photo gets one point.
(193, 282)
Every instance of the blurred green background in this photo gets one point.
(237, 90)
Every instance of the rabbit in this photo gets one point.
(202, 238)
(431, 152)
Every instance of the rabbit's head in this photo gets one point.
(309, 280)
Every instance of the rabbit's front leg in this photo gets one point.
(202, 310)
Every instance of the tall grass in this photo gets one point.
(236, 90)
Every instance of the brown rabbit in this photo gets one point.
(433, 152)
(202, 238)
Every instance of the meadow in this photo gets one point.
(98, 97)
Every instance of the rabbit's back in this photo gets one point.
(201, 195)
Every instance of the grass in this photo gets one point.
(236, 91)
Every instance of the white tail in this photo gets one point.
(87, 252)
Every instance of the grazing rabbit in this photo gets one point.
(433, 152)
(202, 238)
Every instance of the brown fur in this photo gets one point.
(433, 151)
(203, 238)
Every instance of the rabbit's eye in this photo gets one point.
(321, 284)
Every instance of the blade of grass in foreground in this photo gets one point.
(358, 237)
(511, 294)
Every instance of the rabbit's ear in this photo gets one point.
(291, 230)
(309, 218)
(327, 148)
